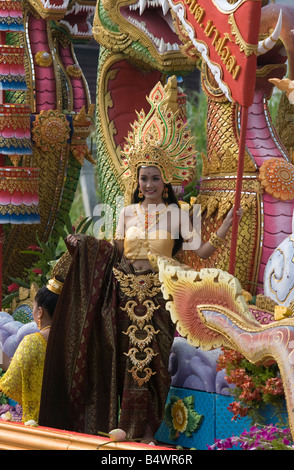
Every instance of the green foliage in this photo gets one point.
(273, 103)
(192, 189)
(255, 386)
(197, 120)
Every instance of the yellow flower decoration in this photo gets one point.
(51, 130)
(180, 417)
(43, 58)
(179, 414)
(277, 178)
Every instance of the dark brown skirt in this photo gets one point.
(93, 379)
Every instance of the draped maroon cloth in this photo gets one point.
(80, 365)
(86, 385)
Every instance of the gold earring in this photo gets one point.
(140, 194)
(39, 323)
(165, 192)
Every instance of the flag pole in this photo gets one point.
(240, 170)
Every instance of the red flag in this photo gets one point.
(226, 36)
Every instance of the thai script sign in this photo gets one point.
(226, 36)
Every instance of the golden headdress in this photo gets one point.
(54, 285)
(161, 138)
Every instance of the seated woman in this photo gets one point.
(22, 381)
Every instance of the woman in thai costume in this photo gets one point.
(22, 381)
(108, 358)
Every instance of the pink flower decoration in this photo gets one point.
(34, 248)
(13, 287)
(37, 271)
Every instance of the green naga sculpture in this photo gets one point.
(133, 58)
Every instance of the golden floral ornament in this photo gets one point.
(140, 320)
(277, 178)
(83, 126)
(139, 342)
(141, 286)
(82, 152)
(43, 58)
(140, 362)
(74, 71)
(179, 414)
(181, 417)
(51, 130)
(140, 333)
(141, 376)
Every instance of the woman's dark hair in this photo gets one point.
(171, 199)
(47, 299)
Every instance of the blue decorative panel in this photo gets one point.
(217, 420)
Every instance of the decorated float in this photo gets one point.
(234, 311)
(248, 162)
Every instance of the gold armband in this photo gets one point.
(215, 240)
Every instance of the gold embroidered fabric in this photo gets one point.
(140, 287)
(22, 381)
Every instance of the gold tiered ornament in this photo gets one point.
(19, 199)
(161, 139)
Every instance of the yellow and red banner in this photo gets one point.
(226, 36)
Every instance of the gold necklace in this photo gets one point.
(156, 214)
(143, 230)
(45, 328)
(147, 227)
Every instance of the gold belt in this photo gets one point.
(138, 285)
(142, 287)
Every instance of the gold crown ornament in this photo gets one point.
(161, 139)
(55, 286)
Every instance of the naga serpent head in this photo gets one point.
(281, 49)
(50, 9)
(74, 16)
(77, 20)
(143, 30)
